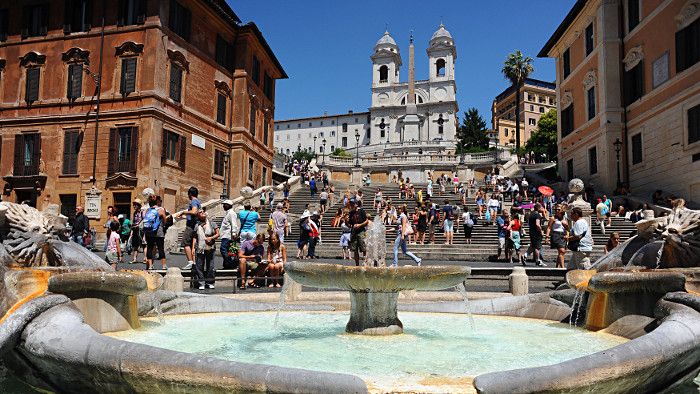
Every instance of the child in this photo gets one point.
(345, 237)
(114, 251)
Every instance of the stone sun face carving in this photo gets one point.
(681, 239)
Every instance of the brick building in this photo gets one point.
(628, 71)
(187, 98)
(537, 99)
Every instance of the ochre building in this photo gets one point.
(628, 80)
(537, 98)
(186, 98)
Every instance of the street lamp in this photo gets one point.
(357, 148)
(323, 154)
(315, 147)
(618, 148)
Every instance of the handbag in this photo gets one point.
(574, 245)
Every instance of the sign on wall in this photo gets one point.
(198, 141)
(93, 203)
(660, 70)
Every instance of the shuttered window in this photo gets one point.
(128, 81)
(3, 25)
(224, 53)
(174, 148)
(688, 46)
(252, 125)
(77, 16)
(219, 162)
(221, 108)
(632, 14)
(251, 169)
(566, 63)
(567, 121)
(256, 70)
(180, 20)
(268, 86)
(694, 124)
(592, 160)
(75, 81)
(589, 39)
(131, 12)
(266, 134)
(637, 148)
(570, 169)
(32, 85)
(590, 95)
(175, 83)
(27, 154)
(71, 148)
(634, 83)
(36, 20)
(123, 150)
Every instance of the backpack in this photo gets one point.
(168, 222)
(470, 220)
(449, 214)
(151, 221)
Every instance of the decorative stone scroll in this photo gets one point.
(177, 58)
(689, 12)
(222, 87)
(566, 99)
(590, 79)
(32, 59)
(129, 48)
(633, 57)
(76, 55)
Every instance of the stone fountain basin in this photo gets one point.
(376, 279)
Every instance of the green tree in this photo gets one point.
(471, 134)
(544, 138)
(341, 153)
(303, 155)
(516, 69)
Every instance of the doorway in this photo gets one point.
(26, 196)
(122, 203)
(68, 204)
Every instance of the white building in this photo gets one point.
(429, 126)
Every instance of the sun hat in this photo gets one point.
(227, 202)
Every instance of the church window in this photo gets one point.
(345, 142)
(506, 133)
(383, 74)
(440, 123)
(440, 67)
(345, 127)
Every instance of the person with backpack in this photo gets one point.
(206, 233)
(468, 220)
(249, 222)
(448, 222)
(229, 233)
(136, 237)
(601, 211)
(153, 221)
(191, 213)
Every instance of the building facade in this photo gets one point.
(629, 71)
(537, 98)
(186, 98)
(382, 130)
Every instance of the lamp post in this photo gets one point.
(323, 154)
(618, 148)
(315, 146)
(357, 148)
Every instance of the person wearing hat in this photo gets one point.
(135, 238)
(279, 221)
(124, 228)
(357, 222)
(314, 234)
(304, 234)
(229, 233)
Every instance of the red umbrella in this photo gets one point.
(545, 190)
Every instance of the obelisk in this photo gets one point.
(411, 122)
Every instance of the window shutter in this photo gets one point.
(27, 21)
(3, 25)
(121, 5)
(19, 155)
(75, 81)
(183, 151)
(128, 83)
(175, 83)
(221, 109)
(164, 152)
(230, 57)
(36, 154)
(68, 17)
(186, 24)
(112, 155)
(32, 85)
(44, 29)
(133, 155)
(140, 11)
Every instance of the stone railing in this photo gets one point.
(416, 159)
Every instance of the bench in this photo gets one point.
(222, 275)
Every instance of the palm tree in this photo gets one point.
(516, 69)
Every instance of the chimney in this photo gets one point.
(350, 111)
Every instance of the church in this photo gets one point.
(415, 116)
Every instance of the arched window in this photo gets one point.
(440, 67)
(440, 123)
(506, 133)
(383, 74)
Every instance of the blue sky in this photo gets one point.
(324, 46)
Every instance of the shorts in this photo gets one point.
(421, 227)
(247, 235)
(136, 239)
(535, 241)
(557, 241)
(323, 202)
(112, 257)
(468, 231)
(449, 226)
(345, 240)
(501, 242)
(187, 237)
(357, 242)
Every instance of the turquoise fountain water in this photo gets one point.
(449, 350)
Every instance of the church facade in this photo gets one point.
(404, 117)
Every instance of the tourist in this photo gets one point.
(271, 198)
(124, 228)
(580, 241)
(502, 232)
(335, 222)
(279, 222)
(81, 227)
(154, 231)
(263, 199)
(536, 235)
(601, 211)
(429, 188)
(613, 242)
(345, 237)
(312, 186)
(113, 256)
(455, 182)
(285, 189)
(493, 205)
(358, 222)
(250, 256)
(249, 222)
(442, 181)
(448, 224)
(468, 221)
(403, 229)
(136, 237)
(323, 200)
(276, 258)
(479, 200)
(524, 185)
(304, 234)
(556, 231)
(228, 233)
(608, 204)
(205, 234)
(188, 235)
(422, 225)
(314, 234)
(111, 217)
(514, 229)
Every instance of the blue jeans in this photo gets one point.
(223, 248)
(77, 238)
(402, 243)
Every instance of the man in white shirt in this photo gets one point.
(279, 221)
(229, 230)
(580, 241)
(525, 186)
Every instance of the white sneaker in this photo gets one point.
(541, 263)
(419, 261)
(201, 287)
(189, 265)
(210, 286)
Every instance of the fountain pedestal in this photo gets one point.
(374, 291)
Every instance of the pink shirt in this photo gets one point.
(112, 242)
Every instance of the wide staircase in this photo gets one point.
(484, 235)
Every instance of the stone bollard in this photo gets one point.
(174, 280)
(292, 289)
(518, 281)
